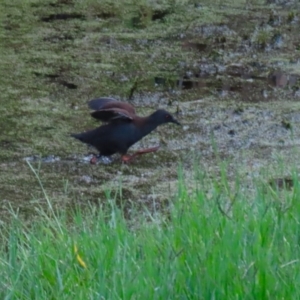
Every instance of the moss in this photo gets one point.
(57, 54)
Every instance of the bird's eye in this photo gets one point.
(167, 116)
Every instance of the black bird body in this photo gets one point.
(114, 137)
(123, 129)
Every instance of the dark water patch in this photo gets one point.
(281, 183)
(160, 80)
(286, 124)
(5, 143)
(231, 132)
(168, 83)
(56, 38)
(218, 78)
(220, 41)
(238, 111)
(159, 14)
(246, 91)
(106, 15)
(67, 84)
(141, 87)
(146, 15)
(186, 83)
(197, 46)
(50, 76)
(62, 17)
(274, 19)
(250, 81)
(107, 40)
(238, 71)
(61, 3)
(280, 79)
(56, 79)
(279, 2)
(42, 128)
(58, 3)
(193, 79)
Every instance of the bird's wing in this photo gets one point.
(112, 114)
(110, 103)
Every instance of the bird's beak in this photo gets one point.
(176, 122)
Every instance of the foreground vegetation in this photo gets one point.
(227, 243)
(210, 63)
(207, 61)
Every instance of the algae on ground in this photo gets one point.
(206, 61)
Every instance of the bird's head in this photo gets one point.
(162, 116)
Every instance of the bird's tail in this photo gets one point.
(77, 136)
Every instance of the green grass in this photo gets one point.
(227, 243)
(217, 240)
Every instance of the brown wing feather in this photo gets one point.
(110, 115)
(110, 103)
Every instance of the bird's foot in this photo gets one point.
(128, 158)
(94, 159)
(105, 160)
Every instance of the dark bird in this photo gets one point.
(123, 127)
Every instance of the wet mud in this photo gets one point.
(230, 74)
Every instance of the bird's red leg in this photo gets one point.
(128, 158)
(148, 150)
(94, 160)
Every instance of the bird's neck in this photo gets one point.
(149, 125)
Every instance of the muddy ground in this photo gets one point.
(229, 71)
